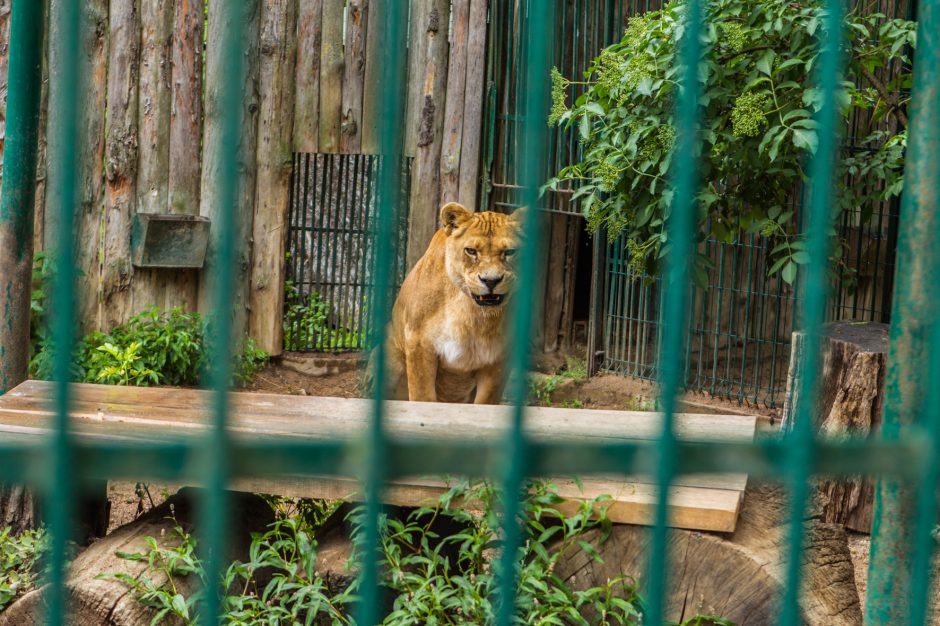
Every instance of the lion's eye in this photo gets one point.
(471, 252)
(510, 252)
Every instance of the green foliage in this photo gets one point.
(541, 389)
(153, 347)
(758, 100)
(433, 579)
(20, 563)
(306, 323)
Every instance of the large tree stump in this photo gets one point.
(850, 401)
(94, 602)
(739, 576)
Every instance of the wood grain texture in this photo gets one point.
(272, 196)
(247, 160)
(331, 76)
(115, 303)
(153, 118)
(354, 65)
(5, 13)
(471, 152)
(307, 85)
(377, 59)
(707, 502)
(454, 102)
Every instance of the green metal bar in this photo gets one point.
(815, 281)
(679, 231)
(540, 26)
(66, 15)
(388, 207)
(894, 590)
(24, 79)
(214, 509)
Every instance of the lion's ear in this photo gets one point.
(453, 215)
(517, 217)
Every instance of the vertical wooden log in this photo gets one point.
(425, 180)
(354, 65)
(153, 122)
(90, 186)
(307, 82)
(276, 128)
(247, 154)
(114, 303)
(5, 6)
(454, 103)
(331, 76)
(372, 79)
(417, 53)
(475, 95)
(555, 280)
(185, 127)
(39, 202)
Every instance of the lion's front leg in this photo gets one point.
(421, 368)
(489, 385)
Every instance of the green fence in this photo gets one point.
(906, 458)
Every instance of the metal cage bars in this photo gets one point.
(905, 458)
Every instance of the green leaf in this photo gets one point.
(788, 274)
(765, 63)
(805, 139)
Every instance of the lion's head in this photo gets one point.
(480, 251)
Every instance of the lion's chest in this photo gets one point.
(461, 351)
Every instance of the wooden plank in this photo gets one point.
(331, 76)
(376, 62)
(153, 118)
(705, 502)
(471, 153)
(454, 101)
(429, 111)
(354, 65)
(272, 197)
(115, 302)
(247, 155)
(307, 85)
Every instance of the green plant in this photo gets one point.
(758, 100)
(306, 323)
(123, 366)
(434, 579)
(542, 388)
(20, 563)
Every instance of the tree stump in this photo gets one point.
(738, 576)
(95, 602)
(850, 402)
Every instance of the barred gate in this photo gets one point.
(330, 252)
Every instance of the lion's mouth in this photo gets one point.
(489, 299)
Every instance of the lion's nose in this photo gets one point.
(491, 281)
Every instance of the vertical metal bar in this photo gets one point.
(388, 207)
(894, 590)
(537, 62)
(64, 136)
(822, 176)
(679, 231)
(214, 510)
(24, 77)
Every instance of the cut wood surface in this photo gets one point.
(705, 502)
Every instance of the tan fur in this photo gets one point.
(441, 344)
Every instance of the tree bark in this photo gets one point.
(740, 576)
(307, 85)
(354, 66)
(475, 95)
(850, 403)
(106, 602)
(331, 76)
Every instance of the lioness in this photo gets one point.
(446, 339)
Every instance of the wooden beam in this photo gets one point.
(272, 197)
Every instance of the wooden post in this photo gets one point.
(372, 79)
(307, 85)
(276, 129)
(454, 105)
(247, 154)
(153, 122)
(475, 94)
(353, 76)
(24, 37)
(427, 111)
(114, 302)
(331, 75)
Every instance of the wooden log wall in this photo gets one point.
(313, 82)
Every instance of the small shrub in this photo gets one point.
(306, 323)
(541, 390)
(20, 563)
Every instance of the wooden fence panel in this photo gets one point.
(375, 62)
(331, 76)
(454, 103)
(115, 270)
(307, 83)
(474, 98)
(357, 18)
(275, 160)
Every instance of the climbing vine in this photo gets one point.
(756, 77)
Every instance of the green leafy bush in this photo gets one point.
(20, 563)
(758, 98)
(306, 323)
(280, 583)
